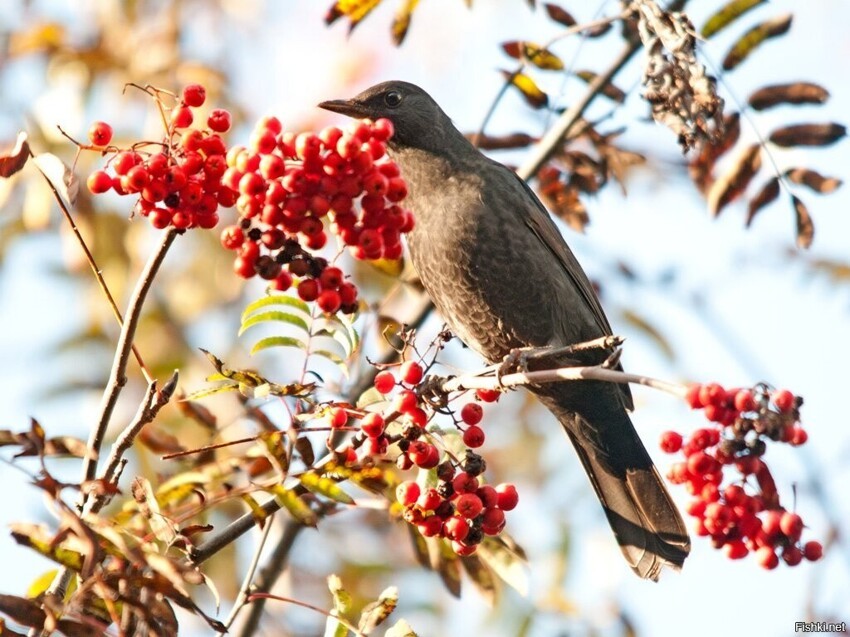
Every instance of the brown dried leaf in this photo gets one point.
(197, 412)
(598, 31)
(481, 576)
(608, 90)
(702, 166)
(501, 142)
(559, 15)
(563, 200)
(159, 441)
(11, 161)
(726, 15)
(794, 93)
(22, 611)
(765, 196)
(732, 184)
(812, 179)
(748, 42)
(401, 22)
(532, 93)
(805, 225)
(808, 134)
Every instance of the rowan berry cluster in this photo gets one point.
(742, 514)
(291, 187)
(455, 504)
(179, 183)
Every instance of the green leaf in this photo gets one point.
(274, 315)
(726, 15)
(336, 359)
(325, 486)
(257, 512)
(275, 299)
(293, 503)
(277, 341)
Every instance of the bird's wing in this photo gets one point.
(538, 220)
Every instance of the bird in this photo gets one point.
(503, 278)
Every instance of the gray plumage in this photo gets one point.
(502, 277)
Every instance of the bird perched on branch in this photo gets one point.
(503, 278)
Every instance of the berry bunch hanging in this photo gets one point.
(449, 499)
(293, 188)
(736, 502)
(178, 181)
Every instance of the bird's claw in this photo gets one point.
(517, 361)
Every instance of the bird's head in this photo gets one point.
(418, 120)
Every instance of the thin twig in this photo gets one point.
(268, 576)
(242, 597)
(117, 380)
(98, 274)
(263, 596)
(560, 374)
(148, 409)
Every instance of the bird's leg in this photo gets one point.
(517, 360)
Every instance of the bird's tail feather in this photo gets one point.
(646, 523)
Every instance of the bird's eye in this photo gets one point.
(392, 99)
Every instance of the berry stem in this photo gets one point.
(117, 381)
(98, 274)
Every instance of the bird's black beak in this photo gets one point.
(346, 107)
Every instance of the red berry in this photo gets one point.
(736, 549)
(488, 495)
(494, 518)
(508, 496)
(283, 281)
(791, 525)
(338, 417)
(429, 500)
(784, 400)
(487, 395)
(382, 129)
(328, 301)
(182, 117)
(692, 397)
(411, 372)
(473, 437)
(405, 402)
(376, 446)
(99, 182)
(712, 394)
(456, 528)
(744, 400)
(407, 492)
(766, 558)
(464, 550)
(471, 413)
(464, 483)
(124, 161)
(372, 425)
(799, 436)
(219, 120)
(331, 278)
(308, 290)
(347, 293)
(100, 134)
(791, 555)
(423, 454)
(194, 95)
(671, 441)
(469, 505)
(813, 550)
(137, 178)
(431, 526)
(384, 382)
(418, 416)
